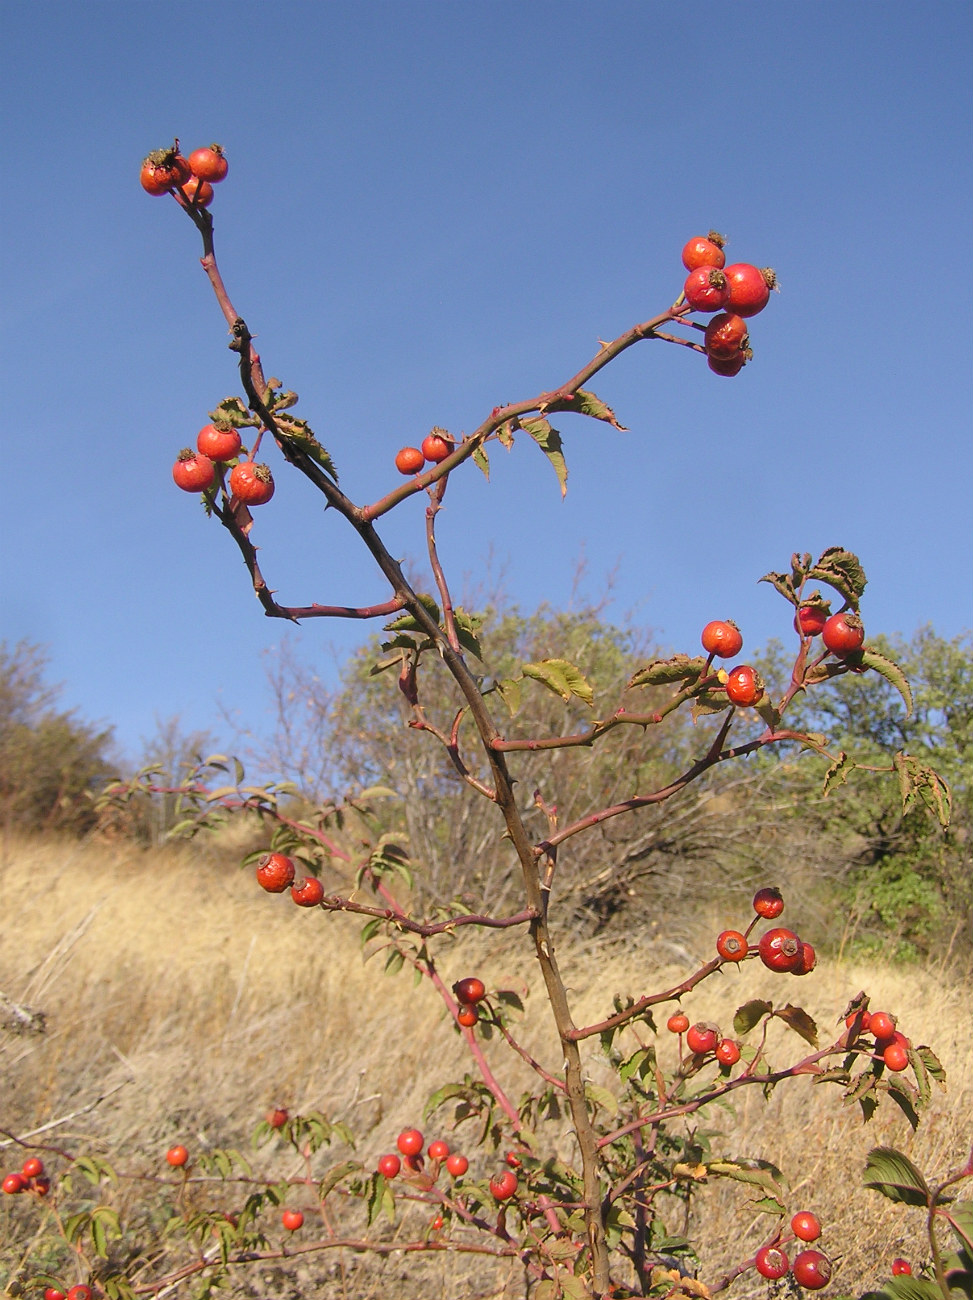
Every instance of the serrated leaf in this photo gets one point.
(837, 774)
(784, 584)
(860, 1085)
(509, 690)
(601, 1097)
(407, 622)
(894, 1175)
(768, 711)
(444, 1094)
(707, 702)
(231, 411)
(549, 441)
(757, 1174)
(561, 677)
(799, 1020)
(680, 668)
(505, 434)
(633, 1065)
(380, 1200)
(892, 673)
(916, 778)
(482, 462)
(586, 403)
(905, 1097)
(932, 1063)
(910, 1288)
(750, 1014)
(300, 434)
(960, 1219)
(467, 627)
(841, 570)
(334, 1176)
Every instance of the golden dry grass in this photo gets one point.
(189, 1001)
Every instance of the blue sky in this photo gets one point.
(433, 208)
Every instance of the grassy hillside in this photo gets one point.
(181, 1002)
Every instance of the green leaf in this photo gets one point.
(562, 678)
(482, 462)
(892, 673)
(298, 432)
(905, 1097)
(508, 688)
(549, 441)
(336, 1175)
(960, 1218)
(910, 1288)
(841, 570)
(916, 778)
(932, 1063)
(232, 412)
(894, 1175)
(407, 622)
(784, 584)
(750, 1014)
(444, 1094)
(767, 710)
(799, 1020)
(584, 403)
(757, 1173)
(680, 668)
(838, 773)
(467, 628)
(601, 1097)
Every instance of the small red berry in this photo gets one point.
(896, 1057)
(193, 472)
(52, 1293)
(727, 1051)
(435, 448)
(33, 1167)
(457, 1164)
(80, 1292)
(503, 1185)
(843, 634)
(882, 1024)
(467, 1016)
(218, 443)
(438, 1150)
(780, 949)
(811, 1269)
(409, 460)
(722, 638)
(252, 484)
(744, 686)
(768, 902)
(513, 1160)
(275, 871)
(436, 1223)
(162, 169)
(277, 1117)
(307, 892)
(469, 990)
(771, 1262)
(177, 1156)
(748, 288)
(702, 1038)
(810, 619)
(706, 289)
(806, 1226)
(726, 336)
(866, 1021)
(410, 1142)
(292, 1220)
(13, 1183)
(209, 163)
(731, 945)
(901, 1268)
(677, 1023)
(389, 1166)
(806, 961)
(704, 250)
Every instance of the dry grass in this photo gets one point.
(188, 1002)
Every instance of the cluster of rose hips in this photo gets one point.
(30, 1178)
(810, 1269)
(843, 635)
(779, 949)
(410, 1142)
(275, 873)
(703, 1038)
(890, 1044)
(216, 446)
(190, 180)
(434, 449)
(735, 292)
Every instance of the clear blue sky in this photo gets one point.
(433, 208)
